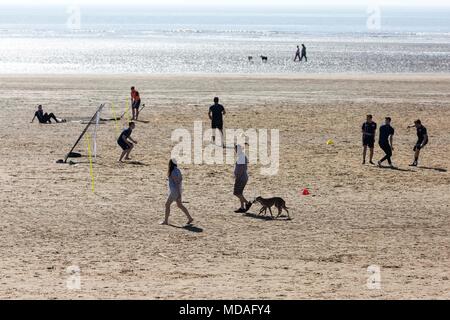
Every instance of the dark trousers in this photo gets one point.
(388, 151)
(46, 118)
(303, 56)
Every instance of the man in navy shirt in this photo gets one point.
(368, 136)
(422, 140)
(124, 142)
(386, 141)
(215, 114)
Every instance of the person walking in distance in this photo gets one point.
(304, 54)
(297, 54)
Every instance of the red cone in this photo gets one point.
(306, 192)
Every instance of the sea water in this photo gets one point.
(173, 40)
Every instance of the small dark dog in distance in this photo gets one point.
(250, 59)
(279, 203)
(264, 59)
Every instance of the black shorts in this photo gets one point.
(217, 125)
(239, 186)
(369, 141)
(123, 145)
(136, 104)
(419, 146)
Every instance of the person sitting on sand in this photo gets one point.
(136, 105)
(215, 114)
(386, 141)
(45, 117)
(241, 179)
(422, 140)
(368, 137)
(175, 179)
(124, 143)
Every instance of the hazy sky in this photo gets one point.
(231, 2)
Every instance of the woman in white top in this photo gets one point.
(175, 189)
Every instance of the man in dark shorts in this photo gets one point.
(386, 141)
(135, 105)
(45, 117)
(216, 113)
(123, 142)
(369, 129)
(422, 140)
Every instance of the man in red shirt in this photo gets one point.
(135, 103)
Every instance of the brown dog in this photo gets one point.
(279, 203)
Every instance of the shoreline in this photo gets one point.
(256, 76)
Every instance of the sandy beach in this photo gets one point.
(356, 216)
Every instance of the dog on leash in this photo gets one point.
(279, 203)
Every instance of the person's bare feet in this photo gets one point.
(190, 221)
(164, 223)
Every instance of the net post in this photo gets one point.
(84, 131)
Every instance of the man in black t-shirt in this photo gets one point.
(422, 140)
(386, 141)
(215, 114)
(369, 129)
(123, 142)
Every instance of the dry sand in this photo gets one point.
(357, 215)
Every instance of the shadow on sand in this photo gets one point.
(395, 169)
(188, 227)
(266, 218)
(435, 169)
(136, 163)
